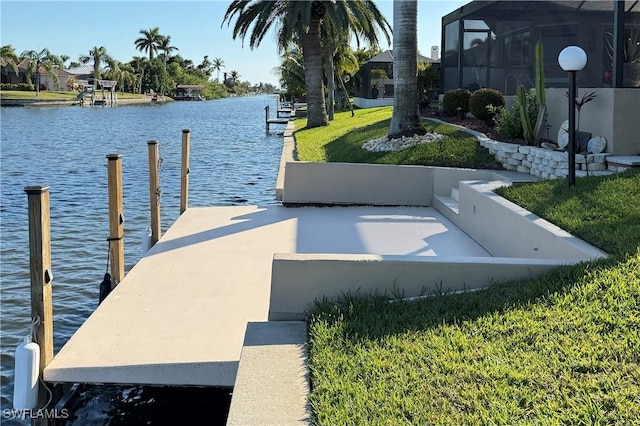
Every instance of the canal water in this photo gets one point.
(233, 162)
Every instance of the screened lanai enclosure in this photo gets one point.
(492, 43)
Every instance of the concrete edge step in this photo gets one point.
(272, 384)
(455, 194)
(447, 206)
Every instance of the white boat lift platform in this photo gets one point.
(179, 316)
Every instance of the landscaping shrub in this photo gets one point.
(481, 99)
(456, 101)
(428, 80)
(507, 121)
(16, 86)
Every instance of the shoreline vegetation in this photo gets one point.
(46, 98)
(560, 348)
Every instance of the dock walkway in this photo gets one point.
(179, 317)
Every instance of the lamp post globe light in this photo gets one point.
(572, 59)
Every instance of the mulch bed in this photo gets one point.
(469, 123)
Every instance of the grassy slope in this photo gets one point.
(342, 141)
(563, 348)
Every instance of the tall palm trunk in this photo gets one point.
(312, 52)
(405, 120)
(331, 81)
(346, 94)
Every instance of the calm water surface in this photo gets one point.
(233, 162)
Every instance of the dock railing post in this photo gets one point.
(154, 191)
(184, 175)
(266, 117)
(116, 218)
(41, 276)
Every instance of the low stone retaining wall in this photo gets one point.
(542, 162)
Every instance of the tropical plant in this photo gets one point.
(234, 77)
(334, 37)
(406, 118)
(508, 122)
(37, 60)
(63, 60)
(165, 46)
(206, 66)
(301, 20)
(527, 127)
(150, 41)
(218, 64)
(428, 80)
(139, 64)
(291, 72)
(97, 56)
(9, 58)
(579, 103)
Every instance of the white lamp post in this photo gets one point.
(572, 59)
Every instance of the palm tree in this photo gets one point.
(139, 64)
(127, 77)
(405, 120)
(97, 55)
(335, 37)
(218, 64)
(291, 72)
(234, 76)
(166, 48)
(63, 60)
(150, 41)
(9, 58)
(42, 59)
(301, 20)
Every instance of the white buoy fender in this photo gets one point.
(25, 388)
(146, 241)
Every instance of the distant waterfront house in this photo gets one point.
(83, 74)
(375, 80)
(46, 80)
(492, 43)
(8, 76)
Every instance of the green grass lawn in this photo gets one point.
(563, 348)
(342, 141)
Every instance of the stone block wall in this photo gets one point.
(542, 162)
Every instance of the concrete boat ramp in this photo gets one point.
(179, 316)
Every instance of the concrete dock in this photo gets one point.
(179, 316)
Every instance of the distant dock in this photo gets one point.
(285, 109)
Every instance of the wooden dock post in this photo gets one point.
(41, 275)
(116, 218)
(154, 191)
(266, 117)
(184, 175)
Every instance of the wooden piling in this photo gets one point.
(116, 218)
(266, 117)
(184, 179)
(154, 191)
(41, 275)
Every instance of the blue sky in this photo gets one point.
(74, 27)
